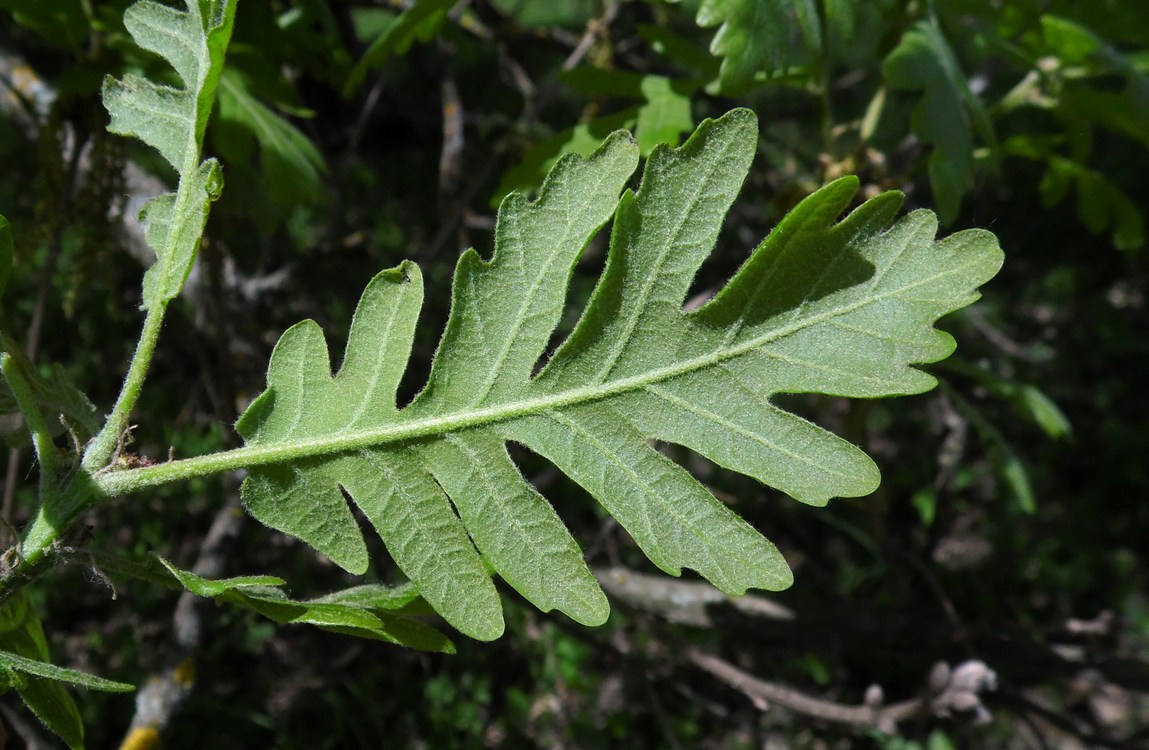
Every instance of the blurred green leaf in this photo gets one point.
(570, 14)
(939, 740)
(582, 139)
(61, 23)
(948, 114)
(292, 167)
(665, 116)
(1044, 412)
(13, 613)
(855, 31)
(925, 502)
(371, 23)
(595, 81)
(419, 22)
(1100, 203)
(680, 50)
(760, 39)
(1026, 398)
(1086, 61)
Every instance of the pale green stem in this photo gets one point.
(41, 533)
(41, 436)
(59, 507)
(103, 448)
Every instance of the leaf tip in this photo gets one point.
(484, 629)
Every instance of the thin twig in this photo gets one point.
(1091, 737)
(24, 729)
(595, 27)
(451, 154)
(884, 718)
(1003, 342)
(950, 691)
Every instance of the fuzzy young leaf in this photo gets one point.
(61, 674)
(24, 651)
(364, 612)
(173, 120)
(819, 307)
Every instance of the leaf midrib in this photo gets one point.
(119, 482)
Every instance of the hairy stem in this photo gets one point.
(103, 448)
(60, 505)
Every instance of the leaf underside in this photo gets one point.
(819, 307)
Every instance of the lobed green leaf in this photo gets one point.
(823, 306)
(172, 120)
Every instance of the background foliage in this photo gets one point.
(1010, 524)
